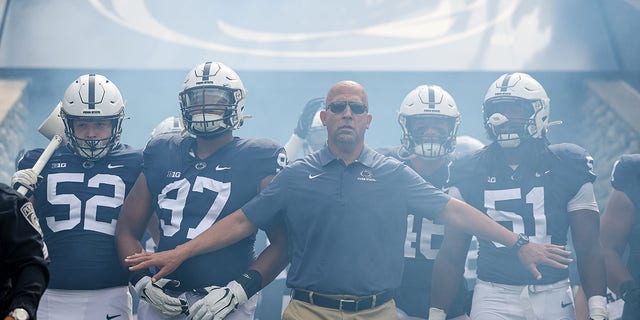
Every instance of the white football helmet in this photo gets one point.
(212, 100)
(92, 97)
(521, 96)
(170, 125)
(317, 136)
(428, 102)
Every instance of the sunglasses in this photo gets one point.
(340, 106)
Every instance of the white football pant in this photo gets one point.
(111, 303)
(493, 301)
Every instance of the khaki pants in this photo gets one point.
(300, 310)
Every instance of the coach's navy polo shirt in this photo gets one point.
(346, 224)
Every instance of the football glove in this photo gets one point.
(306, 118)
(437, 314)
(218, 302)
(26, 178)
(155, 295)
(630, 292)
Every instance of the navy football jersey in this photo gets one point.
(532, 199)
(78, 203)
(422, 243)
(626, 178)
(189, 195)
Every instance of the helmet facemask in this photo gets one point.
(210, 110)
(510, 120)
(92, 149)
(429, 136)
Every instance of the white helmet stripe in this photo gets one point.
(432, 98)
(92, 91)
(206, 70)
(505, 82)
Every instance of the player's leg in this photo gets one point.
(86, 304)
(496, 302)
(555, 302)
(110, 303)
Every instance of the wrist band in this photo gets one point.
(251, 282)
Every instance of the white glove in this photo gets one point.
(219, 302)
(26, 178)
(153, 293)
(437, 314)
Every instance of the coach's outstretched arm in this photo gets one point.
(221, 234)
(462, 216)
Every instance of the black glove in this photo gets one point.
(630, 292)
(306, 118)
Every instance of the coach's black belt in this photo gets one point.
(349, 303)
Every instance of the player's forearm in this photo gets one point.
(466, 218)
(221, 234)
(448, 269)
(127, 244)
(585, 232)
(274, 258)
(591, 267)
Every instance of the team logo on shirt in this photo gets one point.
(366, 175)
(201, 165)
(173, 174)
(57, 165)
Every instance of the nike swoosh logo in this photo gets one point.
(564, 305)
(111, 166)
(219, 168)
(313, 176)
(111, 317)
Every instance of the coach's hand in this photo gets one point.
(533, 254)
(154, 294)
(218, 302)
(26, 178)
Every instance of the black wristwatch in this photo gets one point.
(522, 240)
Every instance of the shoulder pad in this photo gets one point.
(29, 158)
(626, 172)
(573, 160)
(465, 165)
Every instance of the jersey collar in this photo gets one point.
(366, 156)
